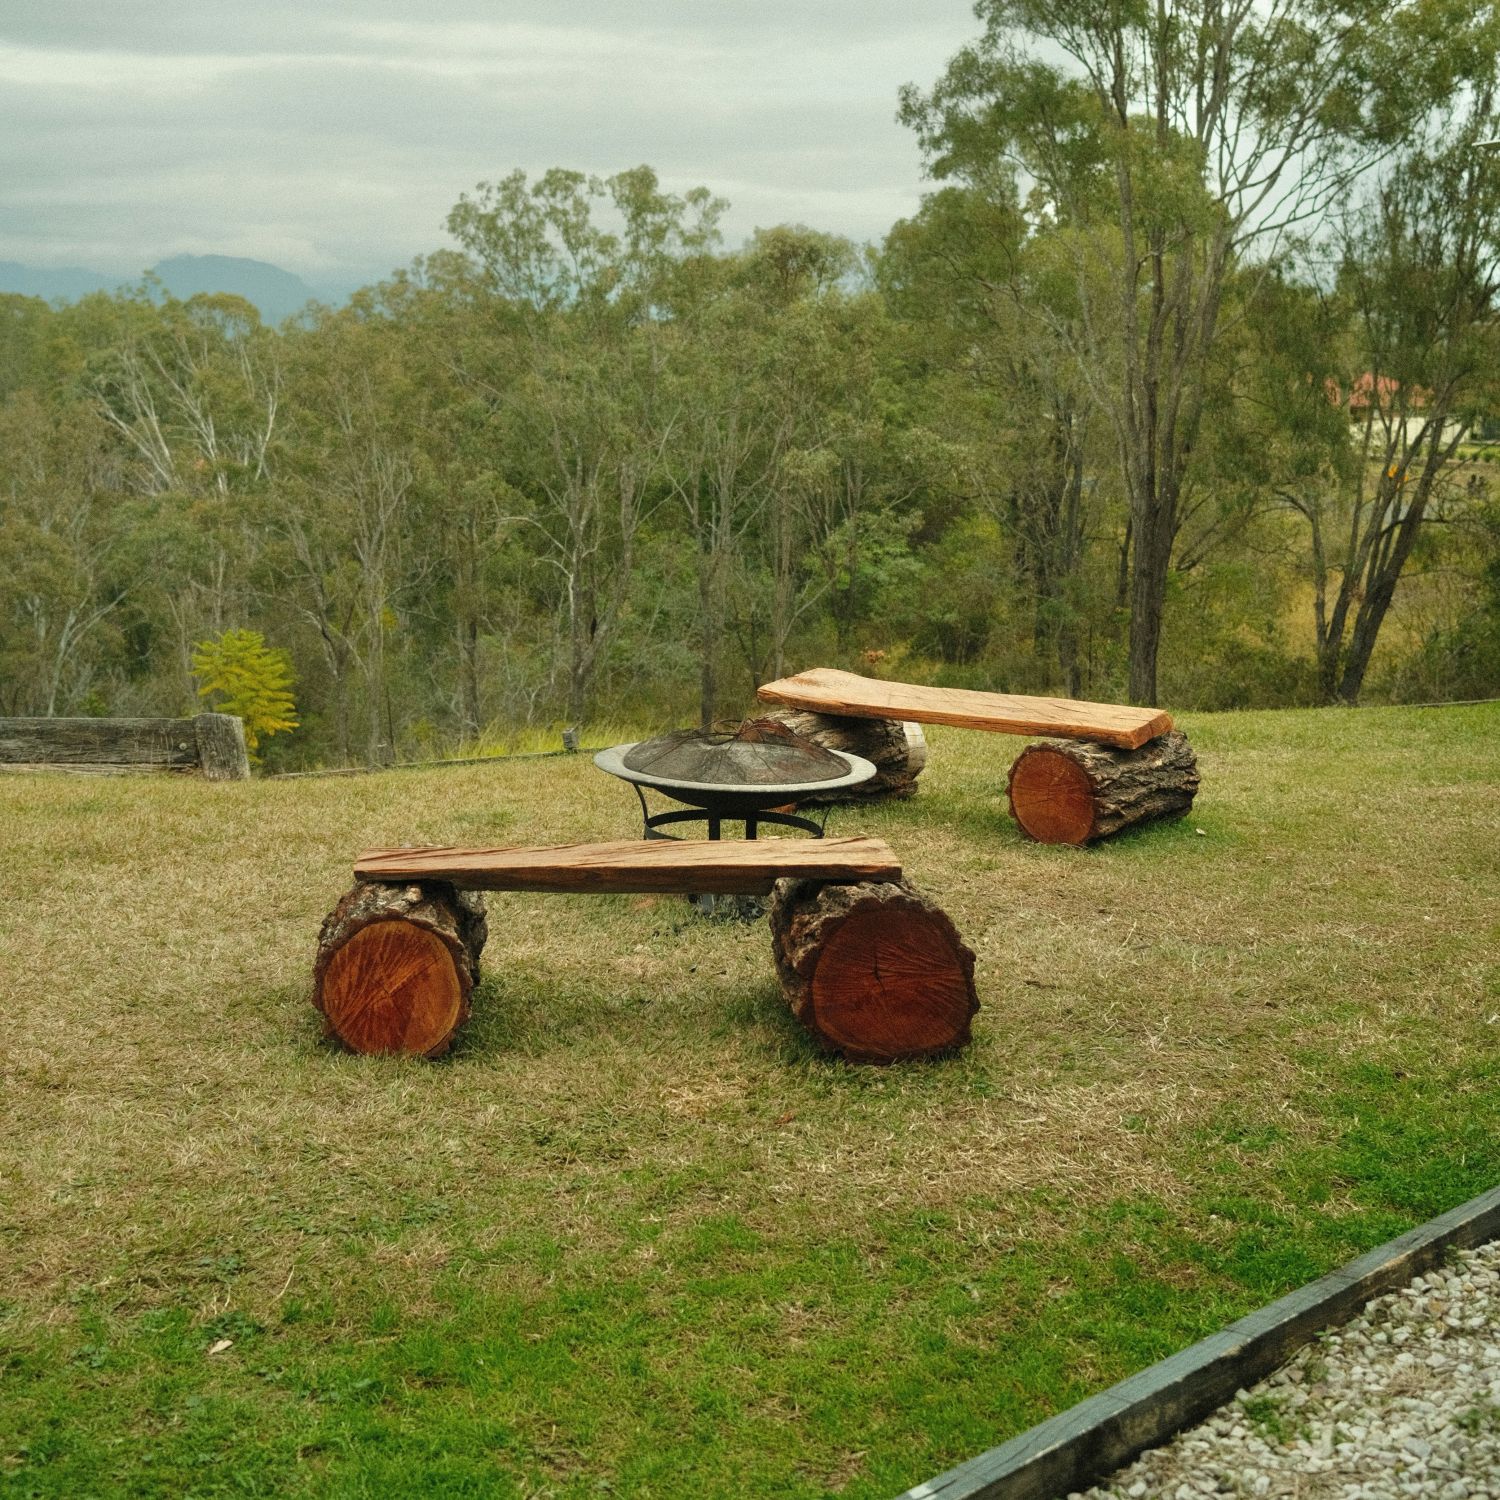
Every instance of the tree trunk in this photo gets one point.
(708, 640)
(898, 751)
(1148, 596)
(1073, 792)
(397, 964)
(875, 972)
(468, 647)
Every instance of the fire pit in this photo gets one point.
(744, 775)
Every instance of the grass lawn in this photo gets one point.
(633, 1237)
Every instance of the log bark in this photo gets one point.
(1070, 792)
(874, 972)
(397, 965)
(897, 749)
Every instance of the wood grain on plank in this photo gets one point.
(150, 742)
(728, 867)
(825, 690)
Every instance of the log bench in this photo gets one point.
(871, 968)
(1109, 766)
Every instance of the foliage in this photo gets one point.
(1068, 429)
(241, 675)
(1168, 148)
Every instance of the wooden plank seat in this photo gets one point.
(870, 967)
(1108, 767)
(848, 695)
(714, 866)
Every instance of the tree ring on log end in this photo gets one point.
(880, 994)
(1051, 797)
(397, 964)
(394, 987)
(873, 970)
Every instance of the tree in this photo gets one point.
(194, 390)
(344, 513)
(1373, 383)
(1005, 388)
(741, 384)
(193, 394)
(242, 675)
(1422, 269)
(1167, 139)
(563, 351)
(61, 582)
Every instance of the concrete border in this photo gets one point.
(1088, 1442)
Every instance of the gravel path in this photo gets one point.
(1405, 1400)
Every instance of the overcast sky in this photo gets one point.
(332, 136)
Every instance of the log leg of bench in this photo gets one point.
(897, 750)
(397, 964)
(1074, 792)
(873, 970)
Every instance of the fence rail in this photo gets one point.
(211, 743)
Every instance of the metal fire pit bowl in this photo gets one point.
(747, 758)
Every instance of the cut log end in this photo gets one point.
(397, 965)
(1072, 792)
(876, 973)
(1051, 797)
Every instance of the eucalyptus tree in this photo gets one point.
(469, 516)
(743, 391)
(193, 394)
(30, 335)
(830, 526)
(62, 579)
(721, 465)
(1170, 140)
(1421, 276)
(852, 476)
(992, 313)
(347, 559)
(564, 349)
(194, 390)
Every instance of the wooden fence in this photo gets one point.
(213, 744)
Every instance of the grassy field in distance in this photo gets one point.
(634, 1237)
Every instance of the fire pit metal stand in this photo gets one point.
(653, 823)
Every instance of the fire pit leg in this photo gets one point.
(874, 971)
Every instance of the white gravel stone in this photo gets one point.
(1405, 1400)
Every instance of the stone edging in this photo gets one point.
(1088, 1442)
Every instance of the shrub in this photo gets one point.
(242, 675)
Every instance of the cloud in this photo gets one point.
(333, 138)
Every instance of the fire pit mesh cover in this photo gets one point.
(759, 752)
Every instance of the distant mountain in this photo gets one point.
(49, 282)
(276, 293)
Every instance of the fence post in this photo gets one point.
(221, 747)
